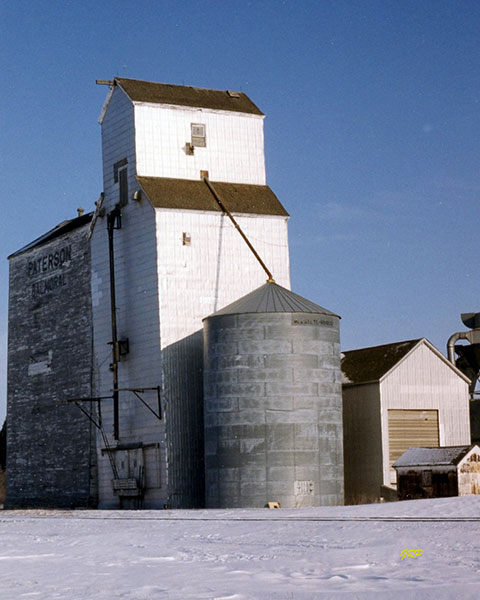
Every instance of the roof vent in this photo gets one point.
(233, 94)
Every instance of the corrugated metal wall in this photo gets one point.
(362, 443)
(183, 394)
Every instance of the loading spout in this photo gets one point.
(222, 206)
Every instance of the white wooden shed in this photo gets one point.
(396, 396)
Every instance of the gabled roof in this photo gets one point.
(371, 364)
(272, 298)
(190, 194)
(58, 230)
(448, 455)
(368, 365)
(180, 95)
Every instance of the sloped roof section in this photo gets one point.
(272, 298)
(180, 95)
(189, 194)
(58, 230)
(417, 457)
(370, 364)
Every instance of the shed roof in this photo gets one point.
(180, 95)
(272, 298)
(190, 194)
(371, 364)
(58, 230)
(448, 455)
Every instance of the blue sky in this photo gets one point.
(372, 131)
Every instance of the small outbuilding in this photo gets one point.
(438, 472)
(396, 396)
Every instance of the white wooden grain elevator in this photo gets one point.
(175, 258)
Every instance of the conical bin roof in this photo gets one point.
(272, 298)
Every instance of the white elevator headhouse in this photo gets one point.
(175, 258)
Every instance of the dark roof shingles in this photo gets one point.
(370, 364)
(190, 194)
(179, 95)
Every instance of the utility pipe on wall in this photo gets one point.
(460, 335)
(114, 222)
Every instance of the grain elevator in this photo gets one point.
(177, 259)
(176, 247)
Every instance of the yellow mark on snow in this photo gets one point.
(410, 552)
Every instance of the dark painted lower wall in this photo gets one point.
(50, 443)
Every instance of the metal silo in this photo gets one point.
(273, 402)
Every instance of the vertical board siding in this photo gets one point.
(423, 381)
(118, 142)
(137, 308)
(234, 151)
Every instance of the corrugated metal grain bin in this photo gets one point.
(273, 402)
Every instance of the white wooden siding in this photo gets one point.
(234, 150)
(118, 142)
(423, 381)
(195, 281)
(216, 268)
(164, 288)
(137, 318)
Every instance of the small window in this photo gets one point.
(198, 135)
(123, 186)
(117, 166)
(426, 478)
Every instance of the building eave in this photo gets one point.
(437, 353)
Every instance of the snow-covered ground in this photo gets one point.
(329, 552)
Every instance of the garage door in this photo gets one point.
(410, 428)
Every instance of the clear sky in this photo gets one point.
(372, 136)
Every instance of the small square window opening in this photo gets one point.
(198, 135)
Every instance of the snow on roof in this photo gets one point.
(448, 455)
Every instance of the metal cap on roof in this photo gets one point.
(272, 298)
